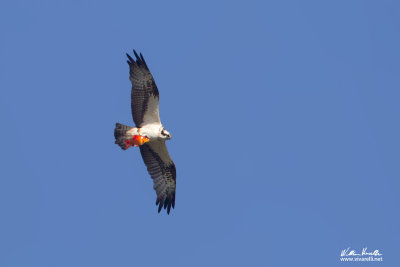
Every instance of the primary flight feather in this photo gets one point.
(149, 134)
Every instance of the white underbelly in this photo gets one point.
(151, 131)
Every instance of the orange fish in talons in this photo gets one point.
(137, 140)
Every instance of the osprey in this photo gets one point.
(149, 134)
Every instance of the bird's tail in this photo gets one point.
(122, 135)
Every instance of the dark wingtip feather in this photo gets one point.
(159, 207)
(140, 62)
(166, 204)
(136, 54)
(130, 61)
(141, 57)
(169, 207)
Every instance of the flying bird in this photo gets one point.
(149, 134)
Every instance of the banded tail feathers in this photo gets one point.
(122, 135)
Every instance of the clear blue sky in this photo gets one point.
(285, 124)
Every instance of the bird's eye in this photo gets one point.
(163, 132)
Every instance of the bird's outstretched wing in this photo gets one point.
(144, 95)
(162, 169)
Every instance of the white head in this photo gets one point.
(164, 134)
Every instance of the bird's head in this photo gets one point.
(164, 134)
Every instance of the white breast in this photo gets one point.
(151, 130)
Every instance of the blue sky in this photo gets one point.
(285, 124)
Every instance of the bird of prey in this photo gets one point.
(149, 134)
